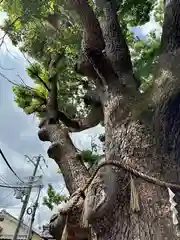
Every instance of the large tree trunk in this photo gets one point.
(144, 148)
(141, 131)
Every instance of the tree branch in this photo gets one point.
(67, 121)
(116, 47)
(111, 66)
(116, 50)
(93, 38)
(56, 225)
(170, 40)
(8, 27)
(94, 117)
(64, 153)
(52, 104)
(41, 80)
(92, 60)
(69, 227)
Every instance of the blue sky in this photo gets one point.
(18, 132)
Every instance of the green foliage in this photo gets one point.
(53, 198)
(89, 157)
(38, 40)
(136, 12)
(158, 10)
(144, 56)
(28, 98)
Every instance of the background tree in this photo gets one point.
(135, 97)
(53, 199)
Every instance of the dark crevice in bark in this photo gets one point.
(170, 40)
(169, 123)
(52, 105)
(116, 47)
(56, 226)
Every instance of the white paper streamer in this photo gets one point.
(173, 205)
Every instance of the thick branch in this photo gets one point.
(93, 63)
(116, 50)
(56, 225)
(111, 66)
(116, 46)
(70, 123)
(94, 117)
(170, 40)
(93, 39)
(71, 228)
(52, 105)
(64, 153)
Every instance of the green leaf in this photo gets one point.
(53, 199)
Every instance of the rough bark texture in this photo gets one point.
(171, 27)
(136, 145)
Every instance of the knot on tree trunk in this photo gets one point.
(56, 225)
(43, 134)
(54, 150)
(69, 225)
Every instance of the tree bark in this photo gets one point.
(63, 152)
(170, 40)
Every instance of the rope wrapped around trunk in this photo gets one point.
(74, 198)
